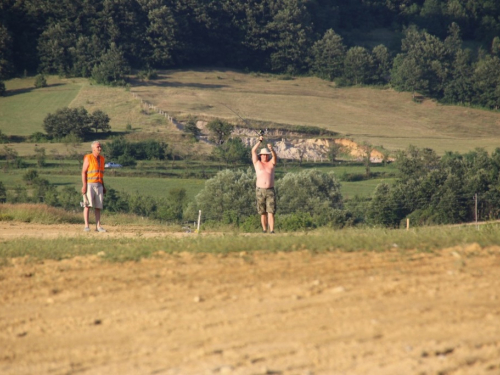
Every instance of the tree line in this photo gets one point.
(105, 39)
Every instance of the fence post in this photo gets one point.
(407, 224)
(199, 220)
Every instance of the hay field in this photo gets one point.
(381, 117)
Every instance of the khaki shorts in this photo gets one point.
(94, 195)
(266, 201)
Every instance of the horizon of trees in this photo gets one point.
(104, 40)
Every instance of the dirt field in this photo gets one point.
(252, 313)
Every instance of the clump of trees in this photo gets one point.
(127, 153)
(75, 121)
(306, 199)
(104, 40)
(439, 190)
(232, 152)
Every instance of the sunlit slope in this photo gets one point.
(24, 107)
(379, 117)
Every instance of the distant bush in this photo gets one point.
(295, 222)
(3, 138)
(127, 153)
(3, 89)
(30, 176)
(3, 193)
(38, 137)
(75, 121)
(40, 81)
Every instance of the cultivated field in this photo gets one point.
(142, 299)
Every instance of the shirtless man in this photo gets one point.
(266, 199)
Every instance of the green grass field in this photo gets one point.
(67, 173)
(155, 187)
(24, 108)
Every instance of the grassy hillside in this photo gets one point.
(380, 117)
(23, 109)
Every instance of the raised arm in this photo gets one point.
(255, 158)
(274, 160)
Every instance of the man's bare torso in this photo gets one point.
(265, 174)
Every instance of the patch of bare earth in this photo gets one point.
(254, 313)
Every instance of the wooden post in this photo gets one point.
(407, 224)
(199, 220)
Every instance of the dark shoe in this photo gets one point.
(264, 231)
(272, 232)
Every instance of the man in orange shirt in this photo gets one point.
(93, 185)
(264, 163)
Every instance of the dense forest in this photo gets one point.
(444, 49)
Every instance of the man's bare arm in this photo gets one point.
(255, 158)
(84, 175)
(274, 160)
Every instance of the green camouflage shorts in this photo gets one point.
(266, 200)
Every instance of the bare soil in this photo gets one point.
(251, 313)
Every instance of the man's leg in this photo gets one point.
(86, 216)
(97, 212)
(271, 222)
(263, 221)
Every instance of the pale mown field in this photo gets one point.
(381, 117)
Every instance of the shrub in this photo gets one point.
(3, 138)
(127, 153)
(38, 137)
(30, 176)
(308, 191)
(295, 222)
(3, 193)
(40, 81)
(229, 190)
(251, 224)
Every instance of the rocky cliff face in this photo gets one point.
(294, 146)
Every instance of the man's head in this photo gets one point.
(264, 154)
(96, 147)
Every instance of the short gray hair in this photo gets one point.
(93, 143)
